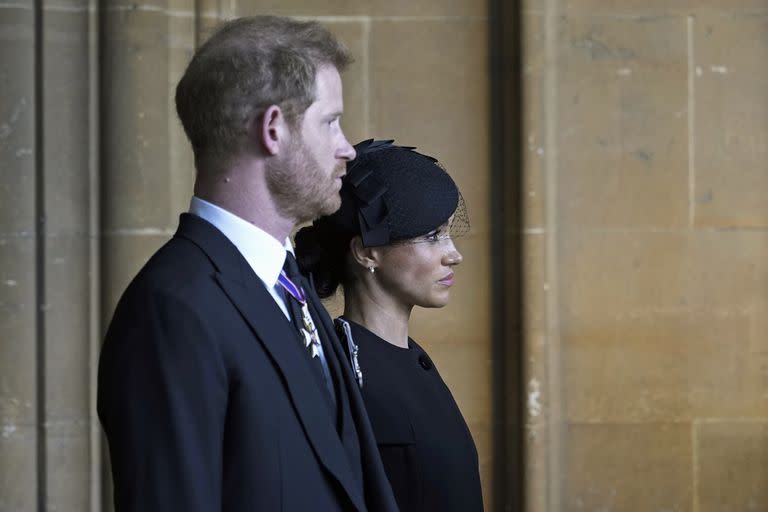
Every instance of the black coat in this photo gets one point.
(427, 448)
(209, 402)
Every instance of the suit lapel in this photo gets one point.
(275, 333)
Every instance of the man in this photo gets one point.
(222, 386)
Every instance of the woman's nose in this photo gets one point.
(453, 256)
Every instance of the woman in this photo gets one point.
(390, 247)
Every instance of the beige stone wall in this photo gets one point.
(646, 234)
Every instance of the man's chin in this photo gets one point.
(327, 208)
(331, 206)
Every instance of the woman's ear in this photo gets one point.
(366, 257)
(271, 129)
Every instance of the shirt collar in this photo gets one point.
(264, 253)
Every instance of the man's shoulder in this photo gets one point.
(178, 268)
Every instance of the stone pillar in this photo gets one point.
(69, 256)
(538, 244)
(19, 313)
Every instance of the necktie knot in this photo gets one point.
(290, 278)
(291, 267)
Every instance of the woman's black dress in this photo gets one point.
(427, 449)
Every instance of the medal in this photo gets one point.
(309, 331)
(309, 334)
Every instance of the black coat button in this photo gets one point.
(425, 362)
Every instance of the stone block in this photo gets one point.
(627, 467)
(69, 466)
(18, 478)
(732, 465)
(18, 325)
(17, 119)
(67, 328)
(622, 122)
(615, 274)
(663, 366)
(67, 122)
(731, 112)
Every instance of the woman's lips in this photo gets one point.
(447, 280)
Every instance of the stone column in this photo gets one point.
(19, 313)
(537, 143)
(68, 257)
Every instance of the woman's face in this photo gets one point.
(419, 272)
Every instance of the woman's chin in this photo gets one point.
(436, 302)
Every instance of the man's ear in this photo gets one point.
(364, 256)
(272, 129)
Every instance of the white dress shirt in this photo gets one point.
(263, 252)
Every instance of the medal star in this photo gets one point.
(307, 338)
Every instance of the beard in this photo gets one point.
(301, 189)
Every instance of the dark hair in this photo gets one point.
(246, 66)
(322, 254)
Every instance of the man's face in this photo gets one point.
(305, 182)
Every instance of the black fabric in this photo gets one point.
(393, 193)
(209, 405)
(291, 267)
(425, 444)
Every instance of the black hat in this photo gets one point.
(393, 193)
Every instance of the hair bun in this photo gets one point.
(316, 257)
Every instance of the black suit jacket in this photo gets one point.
(209, 402)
